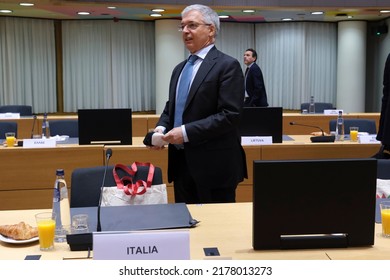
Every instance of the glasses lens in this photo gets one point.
(190, 26)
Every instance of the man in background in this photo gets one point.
(205, 158)
(255, 93)
(384, 121)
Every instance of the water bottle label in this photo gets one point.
(56, 195)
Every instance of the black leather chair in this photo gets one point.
(23, 110)
(319, 106)
(64, 127)
(8, 127)
(383, 169)
(86, 183)
(365, 125)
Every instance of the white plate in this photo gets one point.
(5, 144)
(13, 241)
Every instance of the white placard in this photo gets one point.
(142, 245)
(9, 115)
(256, 140)
(39, 143)
(368, 139)
(333, 111)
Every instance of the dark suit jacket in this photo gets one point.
(384, 121)
(255, 88)
(211, 116)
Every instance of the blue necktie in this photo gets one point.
(184, 88)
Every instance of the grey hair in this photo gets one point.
(209, 15)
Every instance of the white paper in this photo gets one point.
(368, 139)
(60, 138)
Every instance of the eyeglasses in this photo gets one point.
(191, 26)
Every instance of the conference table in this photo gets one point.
(142, 123)
(27, 174)
(227, 227)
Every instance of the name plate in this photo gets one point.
(39, 143)
(256, 140)
(142, 245)
(368, 139)
(333, 112)
(9, 115)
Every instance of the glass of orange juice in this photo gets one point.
(385, 215)
(10, 138)
(353, 133)
(46, 222)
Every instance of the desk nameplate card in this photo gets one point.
(332, 112)
(142, 245)
(39, 143)
(256, 140)
(9, 115)
(368, 139)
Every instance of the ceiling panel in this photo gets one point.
(265, 10)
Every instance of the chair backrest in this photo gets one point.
(23, 110)
(319, 106)
(64, 127)
(365, 125)
(8, 127)
(383, 169)
(86, 183)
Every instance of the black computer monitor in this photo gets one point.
(105, 126)
(314, 203)
(262, 121)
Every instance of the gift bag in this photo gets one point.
(382, 188)
(128, 192)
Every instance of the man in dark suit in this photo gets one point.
(205, 158)
(384, 121)
(255, 93)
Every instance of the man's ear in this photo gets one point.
(212, 31)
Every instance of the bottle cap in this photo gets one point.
(60, 172)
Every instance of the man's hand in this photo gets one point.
(174, 136)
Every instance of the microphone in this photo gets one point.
(83, 241)
(317, 139)
(108, 156)
(33, 126)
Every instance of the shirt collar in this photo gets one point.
(203, 52)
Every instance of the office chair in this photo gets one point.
(383, 169)
(365, 125)
(319, 106)
(64, 127)
(86, 183)
(8, 127)
(23, 110)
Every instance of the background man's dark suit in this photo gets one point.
(214, 155)
(384, 121)
(255, 88)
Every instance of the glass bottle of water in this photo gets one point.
(312, 108)
(340, 127)
(44, 125)
(61, 207)
(47, 128)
